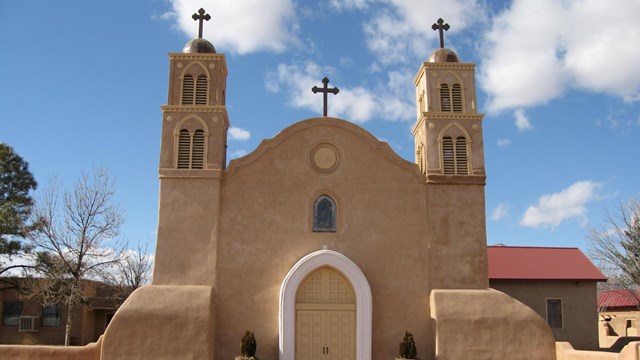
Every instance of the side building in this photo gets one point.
(27, 322)
(560, 284)
(619, 320)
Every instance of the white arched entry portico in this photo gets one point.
(294, 278)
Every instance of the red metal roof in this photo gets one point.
(618, 299)
(540, 263)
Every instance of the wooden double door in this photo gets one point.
(325, 317)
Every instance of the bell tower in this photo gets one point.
(192, 158)
(449, 152)
(448, 130)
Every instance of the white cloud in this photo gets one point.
(349, 4)
(403, 30)
(504, 142)
(241, 26)
(535, 50)
(500, 212)
(357, 104)
(552, 209)
(522, 121)
(15, 260)
(238, 153)
(236, 133)
(619, 120)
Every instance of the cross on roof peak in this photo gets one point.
(441, 27)
(325, 90)
(200, 16)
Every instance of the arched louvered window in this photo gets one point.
(445, 98)
(191, 150)
(187, 90)
(448, 156)
(201, 90)
(324, 214)
(197, 150)
(456, 96)
(462, 167)
(184, 149)
(455, 156)
(420, 158)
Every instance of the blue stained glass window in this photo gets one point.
(324, 214)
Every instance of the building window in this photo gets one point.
(191, 149)
(420, 158)
(51, 315)
(201, 90)
(450, 98)
(187, 90)
(554, 313)
(324, 214)
(197, 150)
(445, 98)
(198, 88)
(462, 167)
(456, 96)
(455, 156)
(11, 312)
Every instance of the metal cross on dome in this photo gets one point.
(325, 90)
(441, 27)
(200, 16)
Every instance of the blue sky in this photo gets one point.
(558, 82)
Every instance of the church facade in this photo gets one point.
(323, 242)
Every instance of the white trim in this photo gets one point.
(294, 278)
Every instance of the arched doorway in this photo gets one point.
(362, 298)
(325, 317)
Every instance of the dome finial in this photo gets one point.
(200, 16)
(441, 27)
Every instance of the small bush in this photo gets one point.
(407, 349)
(248, 345)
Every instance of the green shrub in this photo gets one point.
(248, 345)
(407, 349)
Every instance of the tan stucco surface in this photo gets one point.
(162, 322)
(25, 352)
(266, 222)
(566, 352)
(579, 314)
(488, 324)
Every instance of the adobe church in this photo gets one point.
(323, 241)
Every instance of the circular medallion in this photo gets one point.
(324, 157)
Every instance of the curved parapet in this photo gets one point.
(487, 325)
(331, 126)
(163, 322)
(35, 352)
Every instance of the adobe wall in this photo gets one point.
(185, 248)
(27, 352)
(565, 351)
(580, 325)
(266, 222)
(456, 228)
(488, 325)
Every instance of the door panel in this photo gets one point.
(325, 317)
(325, 335)
(340, 335)
(309, 335)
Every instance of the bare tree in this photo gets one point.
(132, 271)
(616, 246)
(76, 240)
